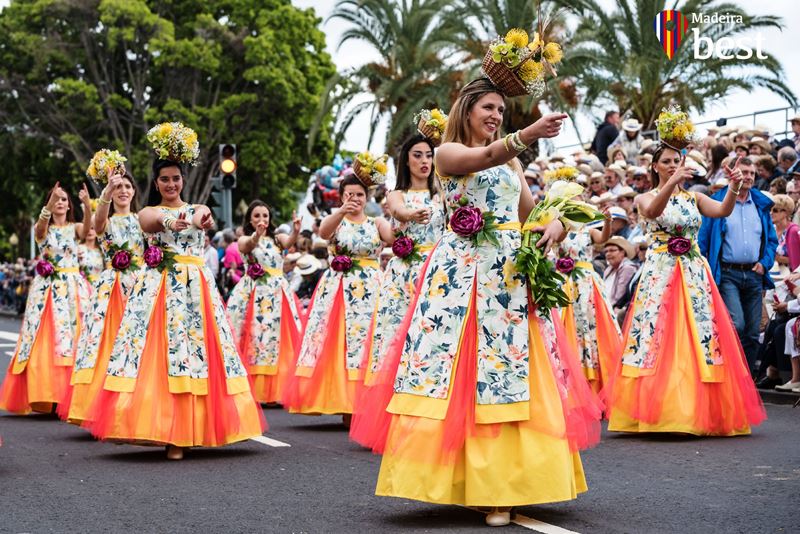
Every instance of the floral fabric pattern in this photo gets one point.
(578, 246)
(456, 267)
(120, 229)
(91, 263)
(268, 298)
(67, 291)
(359, 288)
(681, 211)
(187, 353)
(400, 278)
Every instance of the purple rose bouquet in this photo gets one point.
(122, 257)
(343, 260)
(159, 257)
(256, 271)
(565, 265)
(406, 248)
(45, 268)
(680, 245)
(469, 221)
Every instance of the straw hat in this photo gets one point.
(585, 169)
(719, 184)
(627, 192)
(618, 169)
(622, 243)
(308, 264)
(796, 118)
(760, 141)
(532, 171)
(725, 130)
(631, 125)
(292, 257)
(618, 213)
(605, 197)
(556, 157)
(698, 157)
(646, 144)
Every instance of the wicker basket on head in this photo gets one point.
(504, 78)
(361, 173)
(677, 144)
(430, 132)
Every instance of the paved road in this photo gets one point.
(55, 478)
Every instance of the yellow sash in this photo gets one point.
(189, 260)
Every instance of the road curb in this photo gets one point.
(772, 396)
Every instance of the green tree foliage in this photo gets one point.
(616, 58)
(79, 75)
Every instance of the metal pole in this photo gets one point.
(227, 207)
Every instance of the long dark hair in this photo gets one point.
(404, 171)
(247, 226)
(134, 200)
(718, 155)
(154, 197)
(654, 179)
(70, 204)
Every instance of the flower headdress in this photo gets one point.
(517, 64)
(105, 162)
(675, 129)
(431, 123)
(566, 173)
(369, 169)
(175, 142)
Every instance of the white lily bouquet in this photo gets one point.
(547, 284)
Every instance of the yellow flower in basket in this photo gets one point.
(103, 162)
(517, 37)
(174, 141)
(369, 169)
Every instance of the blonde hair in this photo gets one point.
(784, 202)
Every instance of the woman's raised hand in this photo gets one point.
(548, 126)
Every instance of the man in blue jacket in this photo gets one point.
(740, 250)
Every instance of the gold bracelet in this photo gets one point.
(736, 191)
(517, 143)
(101, 200)
(45, 214)
(169, 223)
(505, 142)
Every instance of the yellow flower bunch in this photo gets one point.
(517, 37)
(174, 141)
(530, 71)
(566, 173)
(104, 163)
(434, 121)
(529, 58)
(372, 169)
(675, 127)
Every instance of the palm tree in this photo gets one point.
(616, 58)
(409, 37)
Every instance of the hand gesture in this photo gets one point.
(114, 181)
(181, 223)
(605, 209)
(681, 174)
(549, 125)
(550, 234)
(261, 230)
(422, 215)
(207, 221)
(296, 222)
(84, 197)
(54, 196)
(734, 173)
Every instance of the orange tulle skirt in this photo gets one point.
(329, 389)
(74, 408)
(270, 388)
(44, 381)
(609, 342)
(151, 414)
(674, 398)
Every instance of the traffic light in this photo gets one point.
(228, 164)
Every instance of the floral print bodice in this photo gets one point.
(361, 239)
(422, 234)
(267, 254)
(578, 245)
(91, 261)
(681, 211)
(189, 242)
(60, 246)
(496, 190)
(122, 229)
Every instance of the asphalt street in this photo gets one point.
(55, 478)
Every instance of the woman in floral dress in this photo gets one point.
(90, 257)
(329, 365)
(682, 368)
(589, 320)
(261, 307)
(418, 214)
(38, 375)
(122, 243)
(480, 413)
(174, 376)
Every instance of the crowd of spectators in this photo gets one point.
(15, 277)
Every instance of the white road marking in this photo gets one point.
(9, 336)
(6, 345)
(533, 524)
(269, 441)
